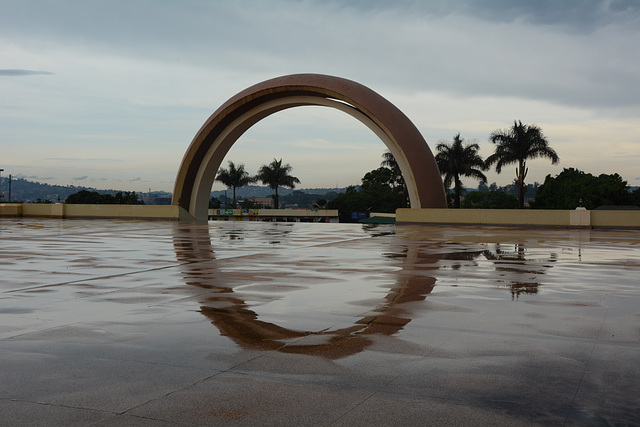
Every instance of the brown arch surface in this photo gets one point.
(214, 139)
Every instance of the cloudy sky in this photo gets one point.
(110, 93)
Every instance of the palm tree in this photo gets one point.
(457, 160)
(397, 180)
(276, 175)
(390, 162)
(234, 177)
(516, 145)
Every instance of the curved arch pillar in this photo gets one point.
(223, 128)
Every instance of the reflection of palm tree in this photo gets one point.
(234, 177)
(457, 160)
(516, 145)
(522, 271)
(275, 175)
(510, 263)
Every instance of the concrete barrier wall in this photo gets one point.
(38, 209)
(623, 219)
(524, 217)
(484, 216)
(92, 211)
(10, 209)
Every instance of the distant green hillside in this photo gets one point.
(27, 191)
(264, 191)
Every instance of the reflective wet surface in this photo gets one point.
(160, 323)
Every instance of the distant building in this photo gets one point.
(264, 201)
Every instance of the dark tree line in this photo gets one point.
(382, 190)
(95, 198)
(573, 188)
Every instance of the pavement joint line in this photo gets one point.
(171, 393)
(257, 253)
(586, 365)
(403, 371)
(59, 405)
(78, 234)
(88, 279)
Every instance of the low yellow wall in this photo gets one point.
(10, 209)
(524, 217)
(92, 211)
(484, 216)
(38, 209)
(624, 219)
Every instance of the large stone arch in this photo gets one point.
(214, 139)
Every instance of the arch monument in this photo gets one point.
(223, 128)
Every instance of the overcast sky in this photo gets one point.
(109, 94)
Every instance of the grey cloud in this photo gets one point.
(80, 178)
(135, 179)
(19, 72)
(575, 15)
(550, 50)
(34, 177)
(78, 159)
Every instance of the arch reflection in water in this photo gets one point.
(240, 320)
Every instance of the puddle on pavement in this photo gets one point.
(316, 297)
(322, 289)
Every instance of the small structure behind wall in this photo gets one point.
(274, 215)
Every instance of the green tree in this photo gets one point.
(492, 199)
(516, 145)
(126, 198)
(376, 194)
(635, 197)
(95, 198)
(397, 180)
(234, 177)
(277, 175)
(214, 203)
(250, 204)
(456, 160)
(82, 197)
(320, 203)
(573, 188)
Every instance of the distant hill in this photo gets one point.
(264, 191)
(23, 190)
(27, 191)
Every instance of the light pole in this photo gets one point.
(1, 170)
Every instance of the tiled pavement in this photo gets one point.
(159, 323)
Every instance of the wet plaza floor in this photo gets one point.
(109, 322)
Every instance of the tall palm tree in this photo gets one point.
(275, 175)
(457, 160)
(234, 177)
(516, 145)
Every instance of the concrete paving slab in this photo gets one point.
(160, 323)
(231, 398)
(403, 410)
(19, 413)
